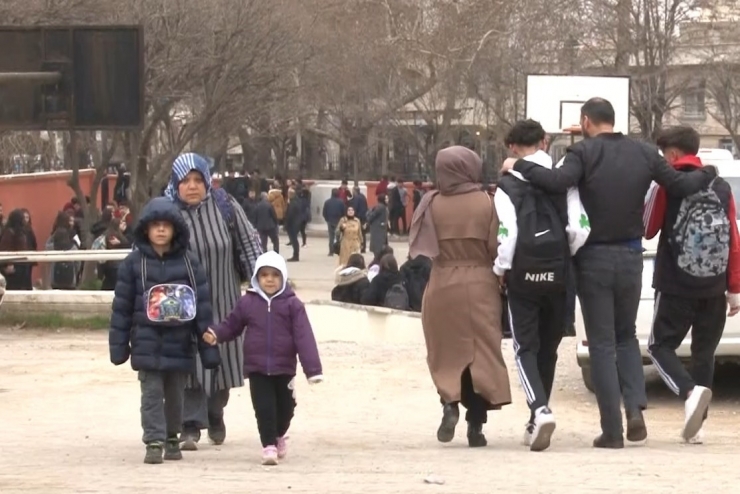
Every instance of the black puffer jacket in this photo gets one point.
(415, 273)
(378, 288)
(351, 285)
(160, 346)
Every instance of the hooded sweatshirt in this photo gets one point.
(577, 229)
(276, 327)
(351, 284)
(661, 212)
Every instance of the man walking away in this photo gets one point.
(613, 173)
(266, 223)
(333, 212)
(250, 207)
(538, 233)
(293, 218)
(359, 203)
(305, 198)
(418, 193)
(403, 196)
(697, 262)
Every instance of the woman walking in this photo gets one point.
(226, 244)
(377, 226)
(461, 308)
(349, 233)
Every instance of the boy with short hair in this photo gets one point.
(161, 301)
(696, 277)
(538, 233)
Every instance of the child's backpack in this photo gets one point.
(542, 255)
(701, 235)
(396, 297)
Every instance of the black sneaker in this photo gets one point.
(153, 453)
(606, 442)
(476, 439)
(450, 417)
(217, 431)
(172, 449)
(189, 438)
(636, 429)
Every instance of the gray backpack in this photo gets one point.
(701, 235)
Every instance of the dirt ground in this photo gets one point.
(72, 426)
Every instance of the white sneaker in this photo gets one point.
(544, 426)
(698, 438)
(695, 408)
(528, 430)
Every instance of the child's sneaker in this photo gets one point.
(269, 455)
(153, 453)
(172, 449)
(282, 447)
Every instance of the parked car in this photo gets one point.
(729, 347)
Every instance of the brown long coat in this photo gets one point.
(461, 311)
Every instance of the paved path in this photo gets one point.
(71, 423)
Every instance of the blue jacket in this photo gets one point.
(135, 331)
(333, 211)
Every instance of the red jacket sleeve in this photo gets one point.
(733, 266)
(655, 211)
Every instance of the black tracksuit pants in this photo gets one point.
(274, 405)
(537, 325)
(673, 317)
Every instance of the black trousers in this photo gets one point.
(273, 236)
(609, 280)
(475, 405)
(673, 317)
(293, 240)
(274, 405)
(303, 232)
(537, 325)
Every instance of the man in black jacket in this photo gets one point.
(333, 212)
(613, 173)
(266, 223)
(292, 222)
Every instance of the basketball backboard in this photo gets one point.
(555, 100)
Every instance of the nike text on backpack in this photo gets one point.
(396, 297)
(701, 235)
(541, 256)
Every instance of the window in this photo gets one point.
(728, 144)
(694, 102)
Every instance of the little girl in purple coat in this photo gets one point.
(276, 328)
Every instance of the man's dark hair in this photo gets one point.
(683, 138)
(335, 192)
(525, 133)
(599, 111)
(345, 182)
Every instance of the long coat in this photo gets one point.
(350, 232)
(377, 221)
(461, 309)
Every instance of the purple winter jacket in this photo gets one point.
(274, 332)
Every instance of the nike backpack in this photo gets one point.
(541, 256)
(701, 235)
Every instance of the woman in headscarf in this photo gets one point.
(461, 308)
(226, 244)
(349, 233)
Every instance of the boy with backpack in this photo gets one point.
(696, 277)
(538, 233)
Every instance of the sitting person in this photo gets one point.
(351, 281)
(374, 267)
(415, 273)
(387, 288)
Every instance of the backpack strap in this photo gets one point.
(143, 273)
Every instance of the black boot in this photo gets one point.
(450, 417)
(189, 437)
(607, 442)
(153, 453)
(476, 439)
(172, 449)
(216, 430)
(636, 428)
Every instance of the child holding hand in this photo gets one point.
(277, 328)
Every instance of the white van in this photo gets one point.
(729, 347)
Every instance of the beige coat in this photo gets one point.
(461, 311)
(275, 197)
(350, 232)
